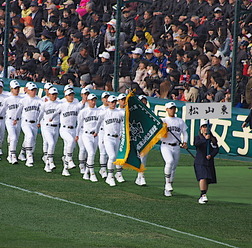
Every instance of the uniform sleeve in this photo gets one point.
(3, 109)
(19, 109)
(58, 111)
(79, 122)
(184, 132)
(101, 119)
(41, 113)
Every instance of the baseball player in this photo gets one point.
(47, 86)
(121, 99)
(170, 146)
(68, 111)
(82, 151)
(2, 115)
(102, 150)
(50, 128)
(22, 154)
(86, 130)
(30, 107)
(13, 120)
(112, 119)
(140, 180)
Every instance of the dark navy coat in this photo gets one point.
(204, 168)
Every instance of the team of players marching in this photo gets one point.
(77, 122)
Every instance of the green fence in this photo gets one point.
(232, 138)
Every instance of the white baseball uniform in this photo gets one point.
(30, 107)
(82, 150)
(112, 124)
(170, 147)
(68, 121)
(49, 129)
(87, 123)
(11, 106)
(102, 150)
(2, 120)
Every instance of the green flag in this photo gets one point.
(142, 130)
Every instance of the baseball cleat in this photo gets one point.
(21, 157)
(93, 178)
(9, 159)
(204, 198)
(47, 168)
(168, 187)
(71, 165)
(82, 168)
(103, 172)
(110, 181)
(142, 181)
(167, 193)
(52, 166)
(119, 177)
(65, 173)
(14, 159)
(201, 201)
(29, 164)
(138, 181)
(86, 175)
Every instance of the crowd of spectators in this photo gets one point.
(173, 49)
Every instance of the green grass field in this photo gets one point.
(56, 211)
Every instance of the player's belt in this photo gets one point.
(90, 132)
(1, 118)
(52, 125)
(171, 144)
(113, 135)
(30, 121)
(70, 127)
(16, 119)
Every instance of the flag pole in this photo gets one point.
(181, 143)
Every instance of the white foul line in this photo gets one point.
(116, 214)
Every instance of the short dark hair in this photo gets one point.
(46, 55)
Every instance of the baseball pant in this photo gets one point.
(82, 150)
(68, 136)
(13, 134)
(111, 146)
(103, 154)
(90, 142)
(30, 131)
(50, 138)
(171, 157)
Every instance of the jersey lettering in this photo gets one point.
(31, 108)
(13, 106)
(113, 120)
(174, 128)
(50, 111)
(91, 118)
(70, 113)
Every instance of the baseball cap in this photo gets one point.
(137, 50)
(104, 94)
(78, 35)
(142, 97)
(203, 122)
(217, 55)
(69, 91)
(68, 2)
(14, 84)
(47, 86)
(32, 86)
(217, 10)
(169, 105)
(85, 90)
(34, 4)
(121, 96)
(68, 86)
(149, 50)
(112, 98)
(91, 96)
(28, 83)
(53, 90)
(112, 22)
(105, 55)
(195, 76)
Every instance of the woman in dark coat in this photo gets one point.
(204, 160)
